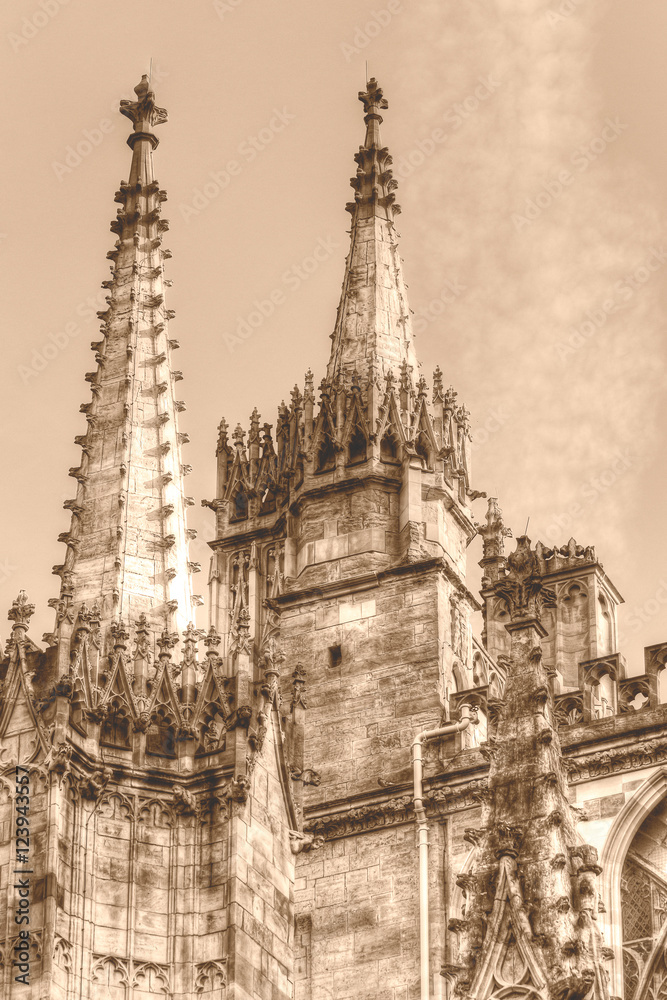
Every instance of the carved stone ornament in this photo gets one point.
(241, 641)
(239, 717)
(399, 809)
(522, 587)
(494, 532)
(58, 758)
(143, 112)
(307, 776)
(21, 611)
(92, 786)
(508, 840)
(303, 842)
(472, 835)
(627, 758)
(298, 686)
(185, 802)
(142, 722)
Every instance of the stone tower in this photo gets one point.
(341, 536)
(133, 758)
(230, 814)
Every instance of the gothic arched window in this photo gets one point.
(161, 735)
(644, 909)
(389, 448)
(422, 449)
(326, 455)
(357, 447)
(268, 499)
(574, 605)
(76, 710)
(605, 628)
(239, 505)
(116, 726)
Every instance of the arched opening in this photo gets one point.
(389, 448)
(480, 733)
(326, 455)
(77, 710)
(501, 638)
(298, 474)
(644, 909)
(239, 505)
(422, 449)
(605, 628)
(574, 605)
(632, 845)
(161, 734)
(268, 499)
(357, 447)
(115, 730)
(479, 672)
(212, 731)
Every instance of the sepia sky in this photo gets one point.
(530, 144)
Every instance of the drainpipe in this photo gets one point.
(422, 838)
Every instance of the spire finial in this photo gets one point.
(373, 183)
(373, 100)
(143, 113)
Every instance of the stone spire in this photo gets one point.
(373, 322)
(127, 547)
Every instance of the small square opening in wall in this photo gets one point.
(335, 656)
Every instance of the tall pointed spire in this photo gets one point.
(373, 321)
(127, 545)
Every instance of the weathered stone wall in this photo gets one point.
(260, 936)
(373, 674)
(135, 893)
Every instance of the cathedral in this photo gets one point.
(334, 791)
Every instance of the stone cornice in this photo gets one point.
(273, 530)
(613, 760)
(447, 792)
(346, 586)
(392, 808)
(347, 484)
